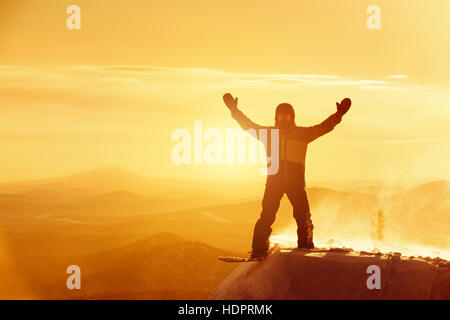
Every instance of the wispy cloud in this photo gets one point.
(215, 75)
(394, 141)
(89, 86)
(383, 88)
(397, 76)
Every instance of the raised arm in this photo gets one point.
(314, 132)
(238, 115)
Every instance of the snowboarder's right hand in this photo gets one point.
(230, 102)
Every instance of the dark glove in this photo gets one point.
(230, 101)
(343, 107)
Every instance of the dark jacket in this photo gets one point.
(293, 143)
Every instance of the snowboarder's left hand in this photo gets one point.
(343, 107)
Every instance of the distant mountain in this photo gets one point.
(95, 181)
(111, 179)
(231, 225)
(417, 217)
(123, 203)
(96, 207)
(163, 266)
(379, 188)
(436, 191)
(106, 192)
(420, 215)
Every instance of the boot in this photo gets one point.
(255, 255)
(307, 240)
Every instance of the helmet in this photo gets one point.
(284, 112)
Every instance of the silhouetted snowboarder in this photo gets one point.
(290, 178)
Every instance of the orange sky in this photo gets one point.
(113, 92)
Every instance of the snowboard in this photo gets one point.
(239, 259)
(248, 259)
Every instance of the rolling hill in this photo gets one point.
(163, 266)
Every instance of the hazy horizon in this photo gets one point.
(259, 178)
